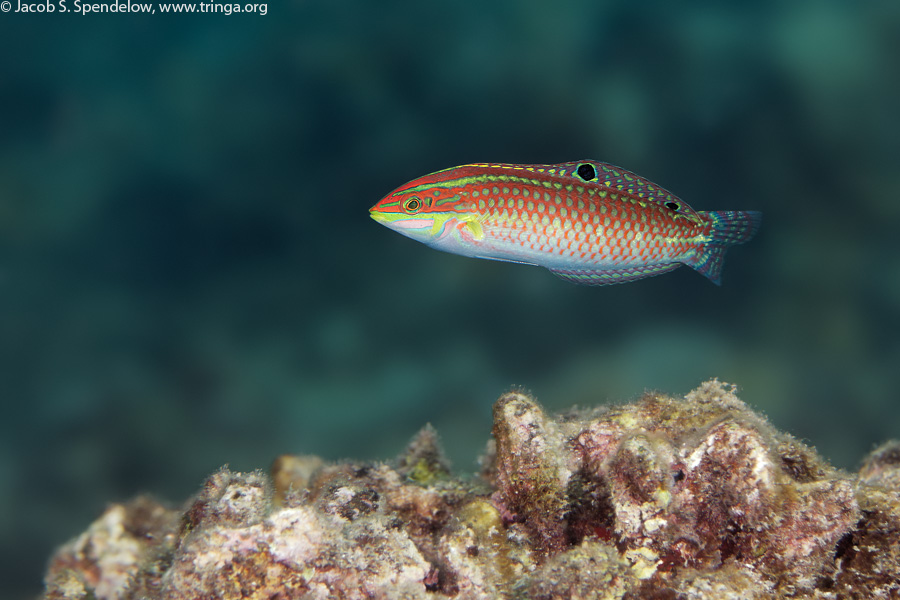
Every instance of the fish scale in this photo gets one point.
(589, 222)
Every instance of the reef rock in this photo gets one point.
(692, 498)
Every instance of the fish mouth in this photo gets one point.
(377, 215)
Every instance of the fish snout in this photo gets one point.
(377, 215)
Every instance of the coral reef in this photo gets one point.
(664, 498)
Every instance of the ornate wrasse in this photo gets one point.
(588, 222)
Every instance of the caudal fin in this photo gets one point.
(729, 227)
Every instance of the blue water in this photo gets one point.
(189, 276)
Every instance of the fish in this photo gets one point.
(588, 222)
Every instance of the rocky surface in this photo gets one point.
(665, 498)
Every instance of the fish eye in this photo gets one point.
(673, 206)
(586, 172)
(412, 205)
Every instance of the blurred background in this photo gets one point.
(189, 276)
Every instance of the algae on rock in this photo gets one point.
(688, 498)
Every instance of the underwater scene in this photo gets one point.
(190, 275)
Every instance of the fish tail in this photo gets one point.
(729, 227)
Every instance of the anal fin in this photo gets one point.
(613, 276)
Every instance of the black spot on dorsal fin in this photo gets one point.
(587, 172)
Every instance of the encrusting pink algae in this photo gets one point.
(663, 499)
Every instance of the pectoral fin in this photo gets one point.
(471, 228)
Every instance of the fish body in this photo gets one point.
(586, 221)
